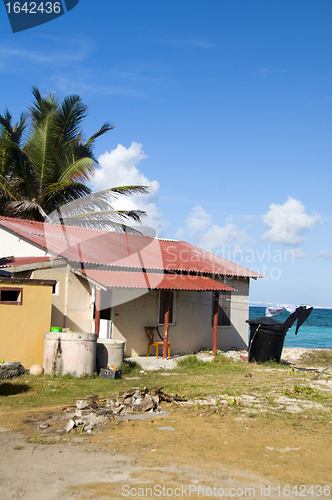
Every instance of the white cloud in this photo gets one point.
(179, 233)
(289, 222)
(211, 236)
(324, 254)
(298, 253)
(217, 236)
(119, 168)
(198, 220)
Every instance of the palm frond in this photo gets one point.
(69, 117)
(26, 209)
(105, 128)
(43, 106)
(129, 190)
(45, 163)
(62, 194)
(80, 169)
(110, 220)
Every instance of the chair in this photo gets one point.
(150, 333)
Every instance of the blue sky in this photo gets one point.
(222, 106)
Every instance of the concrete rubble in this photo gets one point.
(93, 411)
(11, 370)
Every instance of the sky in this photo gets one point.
(222, 107)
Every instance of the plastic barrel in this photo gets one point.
(266, 340)
(110, 352)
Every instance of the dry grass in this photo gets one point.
(317, 358)
(276, 423)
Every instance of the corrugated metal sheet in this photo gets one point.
(21, 261)
(119, 249)
(154, 281)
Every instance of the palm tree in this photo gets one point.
(45, 163)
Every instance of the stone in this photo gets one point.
(70, 425)
(82, 404)
(96, 419)
(11, 369)
(43, 426)
(36, 369)
(82, 413)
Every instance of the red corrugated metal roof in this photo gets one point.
(94, 246)
(154, 281)
(21, 261)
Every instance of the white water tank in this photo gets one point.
(110, 352)
(70, 352)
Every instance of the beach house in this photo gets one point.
(116, 284)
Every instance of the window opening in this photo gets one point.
(162, 303)
(11, 296)
(224, 309)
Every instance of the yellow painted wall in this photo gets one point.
(22, 327)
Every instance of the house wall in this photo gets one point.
(71, 305)
(22, 327)
(192, 330)
(12, 245)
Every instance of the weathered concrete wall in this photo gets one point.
(22, 327)
(72, 303)
(192, 330)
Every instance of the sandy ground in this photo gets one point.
(291, 355)
(74, 471)
(176, 451)
(36, 472)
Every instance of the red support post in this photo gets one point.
(215, 323)
(97, 311)
(166, 324)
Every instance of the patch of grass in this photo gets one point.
(319, 357)
(190, 362)
(129, 368)
(297, 390)
(40, 439)
(307, 392)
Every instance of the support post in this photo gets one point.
(97, 311)
(166, 324)
(215, 322)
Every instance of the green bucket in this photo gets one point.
(56, 329)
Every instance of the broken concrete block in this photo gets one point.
(113, 402)
(82, 404)
(70, 425)
(82, 413)
(94, 419)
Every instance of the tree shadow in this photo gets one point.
(8, 389)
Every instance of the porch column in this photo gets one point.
(97, 311)
(166, 323)
(215, 322)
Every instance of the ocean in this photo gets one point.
(315, 333)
